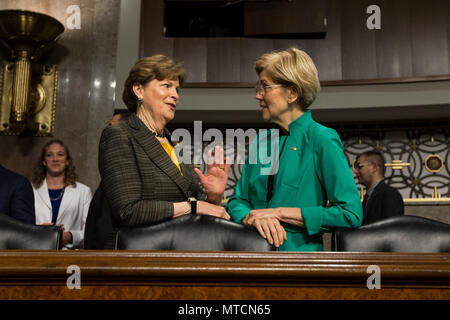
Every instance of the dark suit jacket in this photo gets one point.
(99, 232)
(140, 181)
(16, 196)
(385, 202)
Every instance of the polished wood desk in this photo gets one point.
(222, 275)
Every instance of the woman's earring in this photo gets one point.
(140, 99)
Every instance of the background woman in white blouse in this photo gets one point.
(58, 198)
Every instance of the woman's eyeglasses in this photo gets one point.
(263, 89)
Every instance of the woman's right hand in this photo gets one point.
(267, 224)
(204, 207)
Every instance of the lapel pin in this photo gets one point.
(294, 148)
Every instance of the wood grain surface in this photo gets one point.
(222, 275)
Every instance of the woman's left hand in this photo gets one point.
(262, 214)
(289, 215)
(267, 222)
(216, 176)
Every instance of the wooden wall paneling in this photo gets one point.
(223, 60)
(327, 52)
(191, 52)
(310, 46)
(251, 50)
(302, 44)
(430, 55)
(284, 17)
(153, 40)
(414, 43)
(358, 42)
(393, 41)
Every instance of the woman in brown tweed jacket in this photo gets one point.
(142, 179)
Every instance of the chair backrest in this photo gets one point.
(16, 235)
(193, 233)
(396, 234)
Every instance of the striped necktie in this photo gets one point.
(365, 201)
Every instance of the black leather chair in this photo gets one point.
(396, 234)
(193, 233)
(16, 235)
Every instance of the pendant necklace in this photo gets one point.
(58, 197)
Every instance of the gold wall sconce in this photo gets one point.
(28, 89)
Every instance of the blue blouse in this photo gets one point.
(56, 196)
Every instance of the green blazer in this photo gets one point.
(313, 175)
(139, 180)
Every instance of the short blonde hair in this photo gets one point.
(292, 68)
(158, 67)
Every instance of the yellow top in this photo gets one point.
(169, 149)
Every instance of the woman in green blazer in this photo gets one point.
(311, 188)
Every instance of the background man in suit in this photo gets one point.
(381, 201)
(16, 196)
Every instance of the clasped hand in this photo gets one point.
(267, 222)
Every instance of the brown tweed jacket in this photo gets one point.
(140, 181)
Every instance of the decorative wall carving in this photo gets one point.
(417, 160)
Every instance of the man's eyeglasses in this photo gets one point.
(358, 166)
(262, 89)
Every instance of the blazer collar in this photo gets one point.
(300, 126)
(43, 194)
(302, 122)
(134, 122)
(68, 197)
(158, 155)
